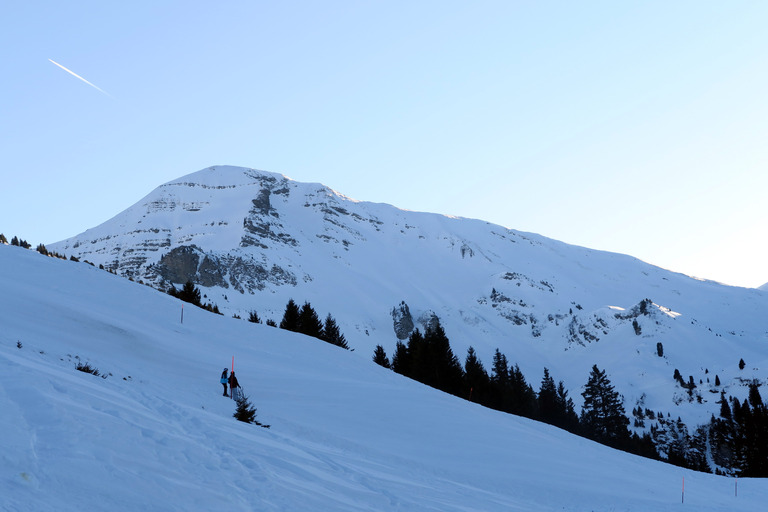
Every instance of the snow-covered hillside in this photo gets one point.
(345, 434)
(252, 240)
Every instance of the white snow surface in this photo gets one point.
(556, 305)
(345, 434)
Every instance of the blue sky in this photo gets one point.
(637, 128)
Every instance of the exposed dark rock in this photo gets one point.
(180, 264)
(402, 321)
(211, 273)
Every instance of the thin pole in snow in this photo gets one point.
(683, 490)
(182, 313)
(736, 488)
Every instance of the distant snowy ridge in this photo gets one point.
(253, 239)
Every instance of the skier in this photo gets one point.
(233, 386)
(224, 381)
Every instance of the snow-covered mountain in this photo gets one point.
(155, 434)
(252, 240)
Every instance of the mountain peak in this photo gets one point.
(225, 176)
(255, 239)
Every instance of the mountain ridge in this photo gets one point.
(253, 239)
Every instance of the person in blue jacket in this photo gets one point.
(224, 381)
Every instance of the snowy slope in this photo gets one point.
(345, 434)
(253, 239)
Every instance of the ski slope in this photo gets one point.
(345, 434)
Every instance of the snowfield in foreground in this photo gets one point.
(345, 434)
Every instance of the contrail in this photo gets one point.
(81, 78)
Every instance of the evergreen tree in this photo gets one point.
(522, 395)
(550, 409)
(401, 359)
(3, 240)
(213, 308)
(500, 370)
(741, 364)
(380, 357)
(332, 334)
(725, 409)
(416, 356)
(309, 322)
(188, 293)
(602, 416)
(15, 241)
(42, 250)
(443, 369)
(245, 412)
(754, 395)
(290, 321)
(476, 378)
(254, 317)
(500, 389)
(570, 420)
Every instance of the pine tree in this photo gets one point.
(380, 357)
(500, 369)
(754, 395)
(417, 356)
(332, 334)
(570, 420)
(550, 410)
(500, 389)
(602, 416)
(522, 395)
(3, 240)
(254, 317)
(309, 322)
(475, 377)
(290, 321)
(42, 250)
(443, 370)
(188, 293)
(401, 359)
(245, 412)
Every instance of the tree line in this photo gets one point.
(303, 320)
(429, 359)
